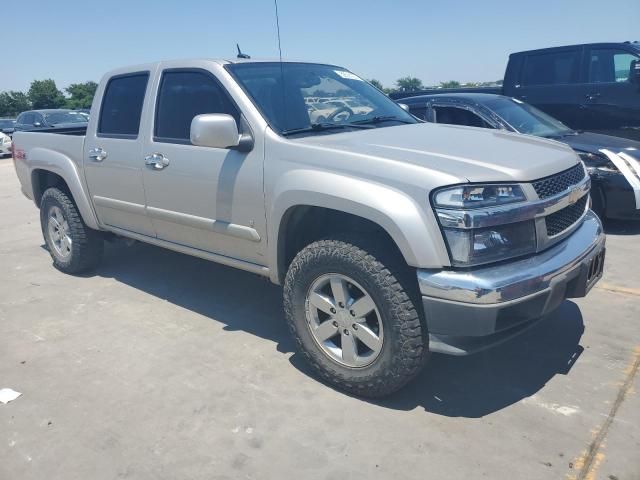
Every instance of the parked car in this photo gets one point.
(593, 87)
(7, 126)
(392, 237)
(50, 118)
(613, 162)
(5, 145)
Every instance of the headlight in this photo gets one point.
(478, 196)
(597, 163)
(491, 244)
(476, 246)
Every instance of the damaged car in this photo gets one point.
(613, 162)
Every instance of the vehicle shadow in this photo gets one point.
(240, 300)
(621, 227)
(471, 386)
(491, 380)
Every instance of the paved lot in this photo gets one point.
(162, 366)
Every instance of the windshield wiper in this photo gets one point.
(379, 119)
(320, 127)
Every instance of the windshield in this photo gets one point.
(346, 99)
(64, 117)
(527, 119)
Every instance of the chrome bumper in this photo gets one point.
(468, 310)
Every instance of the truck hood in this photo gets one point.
(468, 153)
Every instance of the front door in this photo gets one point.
(113, 156)
(205, 198)
(612, 103)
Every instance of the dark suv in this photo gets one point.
(50, 118)
(594, 87)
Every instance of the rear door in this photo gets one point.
(113, 155)
(549, 80)
(206, 198)
(612, 102)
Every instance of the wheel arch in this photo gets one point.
(362, 206)
(59, 170)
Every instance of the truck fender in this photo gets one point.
(62, 165)
(412, 227)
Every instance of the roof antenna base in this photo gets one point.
(240, 54)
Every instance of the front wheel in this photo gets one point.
(353, 317)
(74, 247)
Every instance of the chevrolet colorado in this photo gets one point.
(393, 238)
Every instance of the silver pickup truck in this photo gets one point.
(392, 238)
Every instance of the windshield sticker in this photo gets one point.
(347, 75)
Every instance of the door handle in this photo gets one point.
(157, 161)
(97, 154)
(592, 96)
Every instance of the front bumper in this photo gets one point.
(470, 310)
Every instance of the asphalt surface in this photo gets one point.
(163, 366)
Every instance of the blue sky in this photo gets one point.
(72, 41)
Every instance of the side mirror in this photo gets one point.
(216, 130)
(37, 124)
(634, 72)
(404, 106)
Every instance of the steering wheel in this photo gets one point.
(339, 115)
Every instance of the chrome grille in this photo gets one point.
(550, 186)
(559, 221)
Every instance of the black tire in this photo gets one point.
(388, 281)
(87, 244)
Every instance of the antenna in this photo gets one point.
(278, 28)
(284, 105)
(240, 54)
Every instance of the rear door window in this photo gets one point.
(553, 68)
(122, 106)
(183, 94)
(610, 65)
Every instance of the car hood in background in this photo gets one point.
(594, 142)
(472, 154)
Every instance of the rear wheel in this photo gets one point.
(353, 317)
(74, 247)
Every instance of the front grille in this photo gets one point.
(559, 221)
(550, 186)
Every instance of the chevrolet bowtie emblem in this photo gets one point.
(574, 196)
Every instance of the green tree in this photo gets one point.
(12, 103)
(81, 94)
(409, 84)
(377, 84)
(450, 84)
(45, 94)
